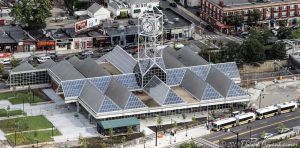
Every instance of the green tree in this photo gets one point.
(159, 120)
(282, 23)
(183, 116)
(123, 140)
(111, 133)
(31, 14)
(235, 20)
(275, 51)
(281, 126)
(1, 69)
(70, 5)
(174, 125)
(253, 17)
(284, 33)
(15, 62)
(194, 121)
(263, 134)
(266, 34)
(129, 130)
(83, 142)
(102, 144)
(230, 52)
(252, 51)
(295, 34)
(191, 144)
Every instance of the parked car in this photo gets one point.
(266, 136)
(131, 22)
(173, 4)
(5, 62)
(284, 130)
(52, 55)
(253, 140)
(209, 28)
(86, 53)
(43, 59)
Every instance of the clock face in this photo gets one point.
(148, 26)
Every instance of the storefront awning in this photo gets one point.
(124, 122)
(220, 25)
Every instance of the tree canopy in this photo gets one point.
(31, 13)
(253, 17)
(235, 20)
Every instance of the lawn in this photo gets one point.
(18, 97)
(25, 124)
(29, 137)
(3, 112)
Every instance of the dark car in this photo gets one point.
(209, 28)
(131, 22)
(173, 4)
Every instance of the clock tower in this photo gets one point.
(150, 36)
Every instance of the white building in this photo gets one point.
(5, 19)
(132, 8)
(95, 11)
(190, 3)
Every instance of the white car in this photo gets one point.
(267, 135)
(43, 59)
(87, 53)
(5, 62)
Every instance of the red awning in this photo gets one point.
(220, 25)
(5, 55)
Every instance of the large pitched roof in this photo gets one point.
(64, 70)
(89, 68)
(94, 8)
(120, 59)
(25, 66)
(48, 64)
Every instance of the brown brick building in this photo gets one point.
(214, 11)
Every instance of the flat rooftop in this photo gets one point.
(246, 2)
(146, 99)
(183, 94)
(110, 68)
(172, 19)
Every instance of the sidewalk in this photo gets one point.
(179, 137)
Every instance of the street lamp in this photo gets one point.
(237, 138)
(186, 128)
(260, 95)
(250, 128)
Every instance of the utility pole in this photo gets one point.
(237, 138)
(156, 135)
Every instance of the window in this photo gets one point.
(292, 13)
(275, 8)
(292, 6)
(136, 10)
(245, 11)
(275, 15)
(283, 14)
(284, 8)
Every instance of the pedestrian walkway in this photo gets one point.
(72, 127)
(179, 137)
(53, 96)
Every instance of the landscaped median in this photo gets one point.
(28, 130)
(7, 113)
(18, 97)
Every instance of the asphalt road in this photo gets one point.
(268, 125)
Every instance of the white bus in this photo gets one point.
(245, 118)
(223, 124)
(287, 107)
(266, 112)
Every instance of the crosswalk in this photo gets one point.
(211, 36)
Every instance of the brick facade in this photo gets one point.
(214, 13)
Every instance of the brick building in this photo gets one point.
(214, 11)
